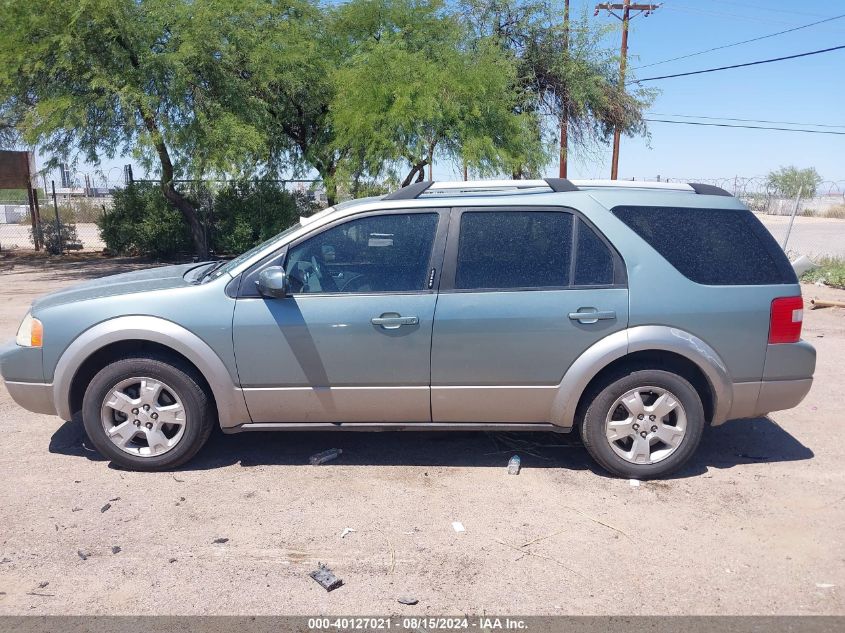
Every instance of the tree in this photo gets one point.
(788, 181)
(157, 78)
(290, 75)
(563, 74)
(415, 85)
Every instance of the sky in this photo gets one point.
(806, 90)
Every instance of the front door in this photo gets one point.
(352, 342)
(509, 316)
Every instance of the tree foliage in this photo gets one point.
(417, 84)
(362, 92)
(788, 181)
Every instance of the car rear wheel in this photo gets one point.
(147, 413)
(643, 423)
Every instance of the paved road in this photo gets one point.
(810, 236)
(752, 526)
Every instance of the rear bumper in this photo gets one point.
(32, 396)
(753, 399)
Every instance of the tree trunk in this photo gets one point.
(417, 170)
(185, 206)
(189, 213)
(181, 202)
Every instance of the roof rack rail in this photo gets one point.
(417, 189)
(557, 185)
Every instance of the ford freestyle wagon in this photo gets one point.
(637, 313)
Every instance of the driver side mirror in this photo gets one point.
(273, 282)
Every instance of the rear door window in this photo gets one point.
(720, 247)
(514, 249)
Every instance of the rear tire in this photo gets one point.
(147, 413)
(643, 423)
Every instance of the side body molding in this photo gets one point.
(637, 339)
(231, 408)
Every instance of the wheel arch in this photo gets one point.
(658, 347)
(102, 342)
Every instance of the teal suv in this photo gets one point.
(638, 313)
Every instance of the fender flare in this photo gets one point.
(638, 339)
(231, 408)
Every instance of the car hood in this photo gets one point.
(161, 278)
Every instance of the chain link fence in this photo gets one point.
(817, 229)
(71, 222)
(69, 225)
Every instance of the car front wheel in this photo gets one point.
(147, 413)
(643, 424)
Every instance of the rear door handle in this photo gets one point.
(591, 315)
(392, 320)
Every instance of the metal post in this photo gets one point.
(792, 218)
(58, 222)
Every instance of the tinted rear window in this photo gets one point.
(720, 247)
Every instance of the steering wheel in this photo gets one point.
(354, 284)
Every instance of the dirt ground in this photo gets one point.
(754, 524)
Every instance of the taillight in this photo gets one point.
(785, 320)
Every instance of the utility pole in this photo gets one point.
(626, 8)
(564, 114)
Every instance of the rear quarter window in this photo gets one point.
(720, 247)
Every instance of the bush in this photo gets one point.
(56, 239)
(246, 213)
(250, 212)
(830, 270)
(141, 222)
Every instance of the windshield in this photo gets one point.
(237, 261)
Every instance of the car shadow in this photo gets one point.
(734, 443)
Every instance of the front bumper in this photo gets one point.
(32, 396)
(22, 370)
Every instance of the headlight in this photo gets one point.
(30, 333)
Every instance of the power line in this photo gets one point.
(755, 39)
(763, 61)
(747, 127)
(727, 118)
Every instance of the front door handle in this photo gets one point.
(393, 321)
(591, 315)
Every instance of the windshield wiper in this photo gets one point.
(214, 268)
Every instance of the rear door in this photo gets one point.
(524, 292)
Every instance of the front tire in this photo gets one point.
(643, 424)
(147, 413)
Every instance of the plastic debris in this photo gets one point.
(407, 600)
(635, 483)
(513, 465)
(220, 540)
(105, 507)
(115, 549)
(824, 585)
(82, 554)
(346, 531)
(325, 456)
(325, 578)
(458, 526)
